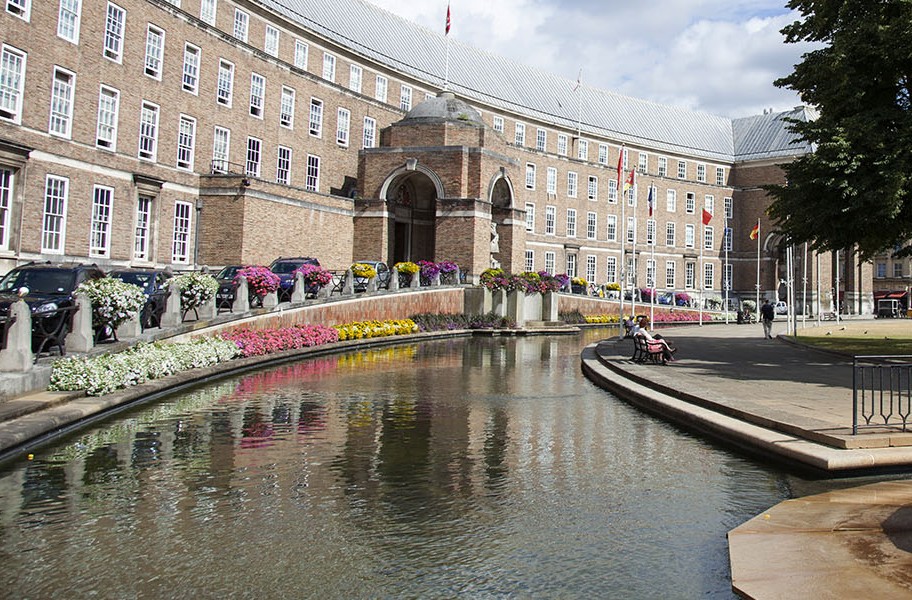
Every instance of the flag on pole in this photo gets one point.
(650, 200)
(755, 232)
(579, 80)
(620, 179)
(707, 217)
(448, 20)
(631, 180)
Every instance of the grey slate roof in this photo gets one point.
(497, 82)
(767, 135)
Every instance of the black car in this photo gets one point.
(151, 281)
(224, 298)
(285, 268)
(50, 297)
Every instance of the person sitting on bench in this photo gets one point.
(642, 328)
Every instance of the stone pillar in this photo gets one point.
(435, 281)
(371, 285)
(208, 310)
(18, 353)
(499, 302)
(549, 306)
(81, 339)
(299, 291)
(241, 296)
(172, 315)
(532, 306)
(130, 328)
(394, 280)
(416, 280)
(325, 291)
(271, 300)
(348, 288)
(458, 275)
(475, 299)
(516, 304)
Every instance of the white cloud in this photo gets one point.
(669, 52)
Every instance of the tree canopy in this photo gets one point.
(854, 189)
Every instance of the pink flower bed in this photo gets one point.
(257, 342)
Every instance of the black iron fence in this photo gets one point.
(881, 391)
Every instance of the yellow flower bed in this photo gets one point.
(602, 319)
(371, 329)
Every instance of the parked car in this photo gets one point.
(781, 308)
(151, 281)
(383, 275)
(50, 297)
(285, 268)
(224, 297)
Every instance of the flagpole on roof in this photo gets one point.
(446, 74)
(623, 226)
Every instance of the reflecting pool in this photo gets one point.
(473, 467)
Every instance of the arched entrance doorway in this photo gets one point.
(412, 199)
(500, 194)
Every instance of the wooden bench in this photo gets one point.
(646, 351)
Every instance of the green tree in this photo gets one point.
(854, 189)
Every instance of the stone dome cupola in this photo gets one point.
(443, 107)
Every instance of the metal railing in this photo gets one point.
(881, 391)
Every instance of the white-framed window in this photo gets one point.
(405, 98)
(690, 270)
(254, 156)
(529, 260)
(592, 190)
(897, 270)
(53, 222)
(612, 191)
(550, 218)
(670, 274)
(369, 138)
(663, 167)
(630, 272)
(670, 233)
(380, 88)
(690, 203)
(191, 70)
(551, 180)
(651, 232)
(155, 51)
(701, 172)
(329, 67)
(63, 85)
(631, 229)
(642, 162)
(271, 41)
(881, 269)
(571, 265)
(590, 268)
(180, 243)
(498, 124)
(562, 144)
(572, 184)
(12, 82)
(6, 198)
(603, 154)
(727, 239)
(682, 169)
(550, 261)
(571, 222)
(626, 157)
(720, 176)
(519, 135)
(650, 273)
(709, 275)
(114, 32)
(300, 54)
(708, 237)
(582, 151)
(727, 276)
(709, 203)
(541, 139)
(186, 142)
(283, 165)
(530, 176)
(287, 108)
(728, 207)
(530, 217)
(221, 145)
(611, 265)
(689, 236)
(208, 10)
(343, 126)
(315, 123)
(591, 225)
(225, 89)
(631, 196)
(355, 76)
(100, 227)
(671, 201)
(68, 20)
(148, 131)
(18, 8)
(241, 24)
(257, 94)
(312, 183)
(612, 221)
(143, 227)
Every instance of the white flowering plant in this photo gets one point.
(103, 374)
(195, 289)
(113, 301)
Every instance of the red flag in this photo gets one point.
(755, 232)
(707, 217)
(448, 20)
(631, 180)
(620, 170)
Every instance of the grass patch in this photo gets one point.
(887, 336)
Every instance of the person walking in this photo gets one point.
(767, 314)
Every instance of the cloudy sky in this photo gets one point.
(718, 56)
